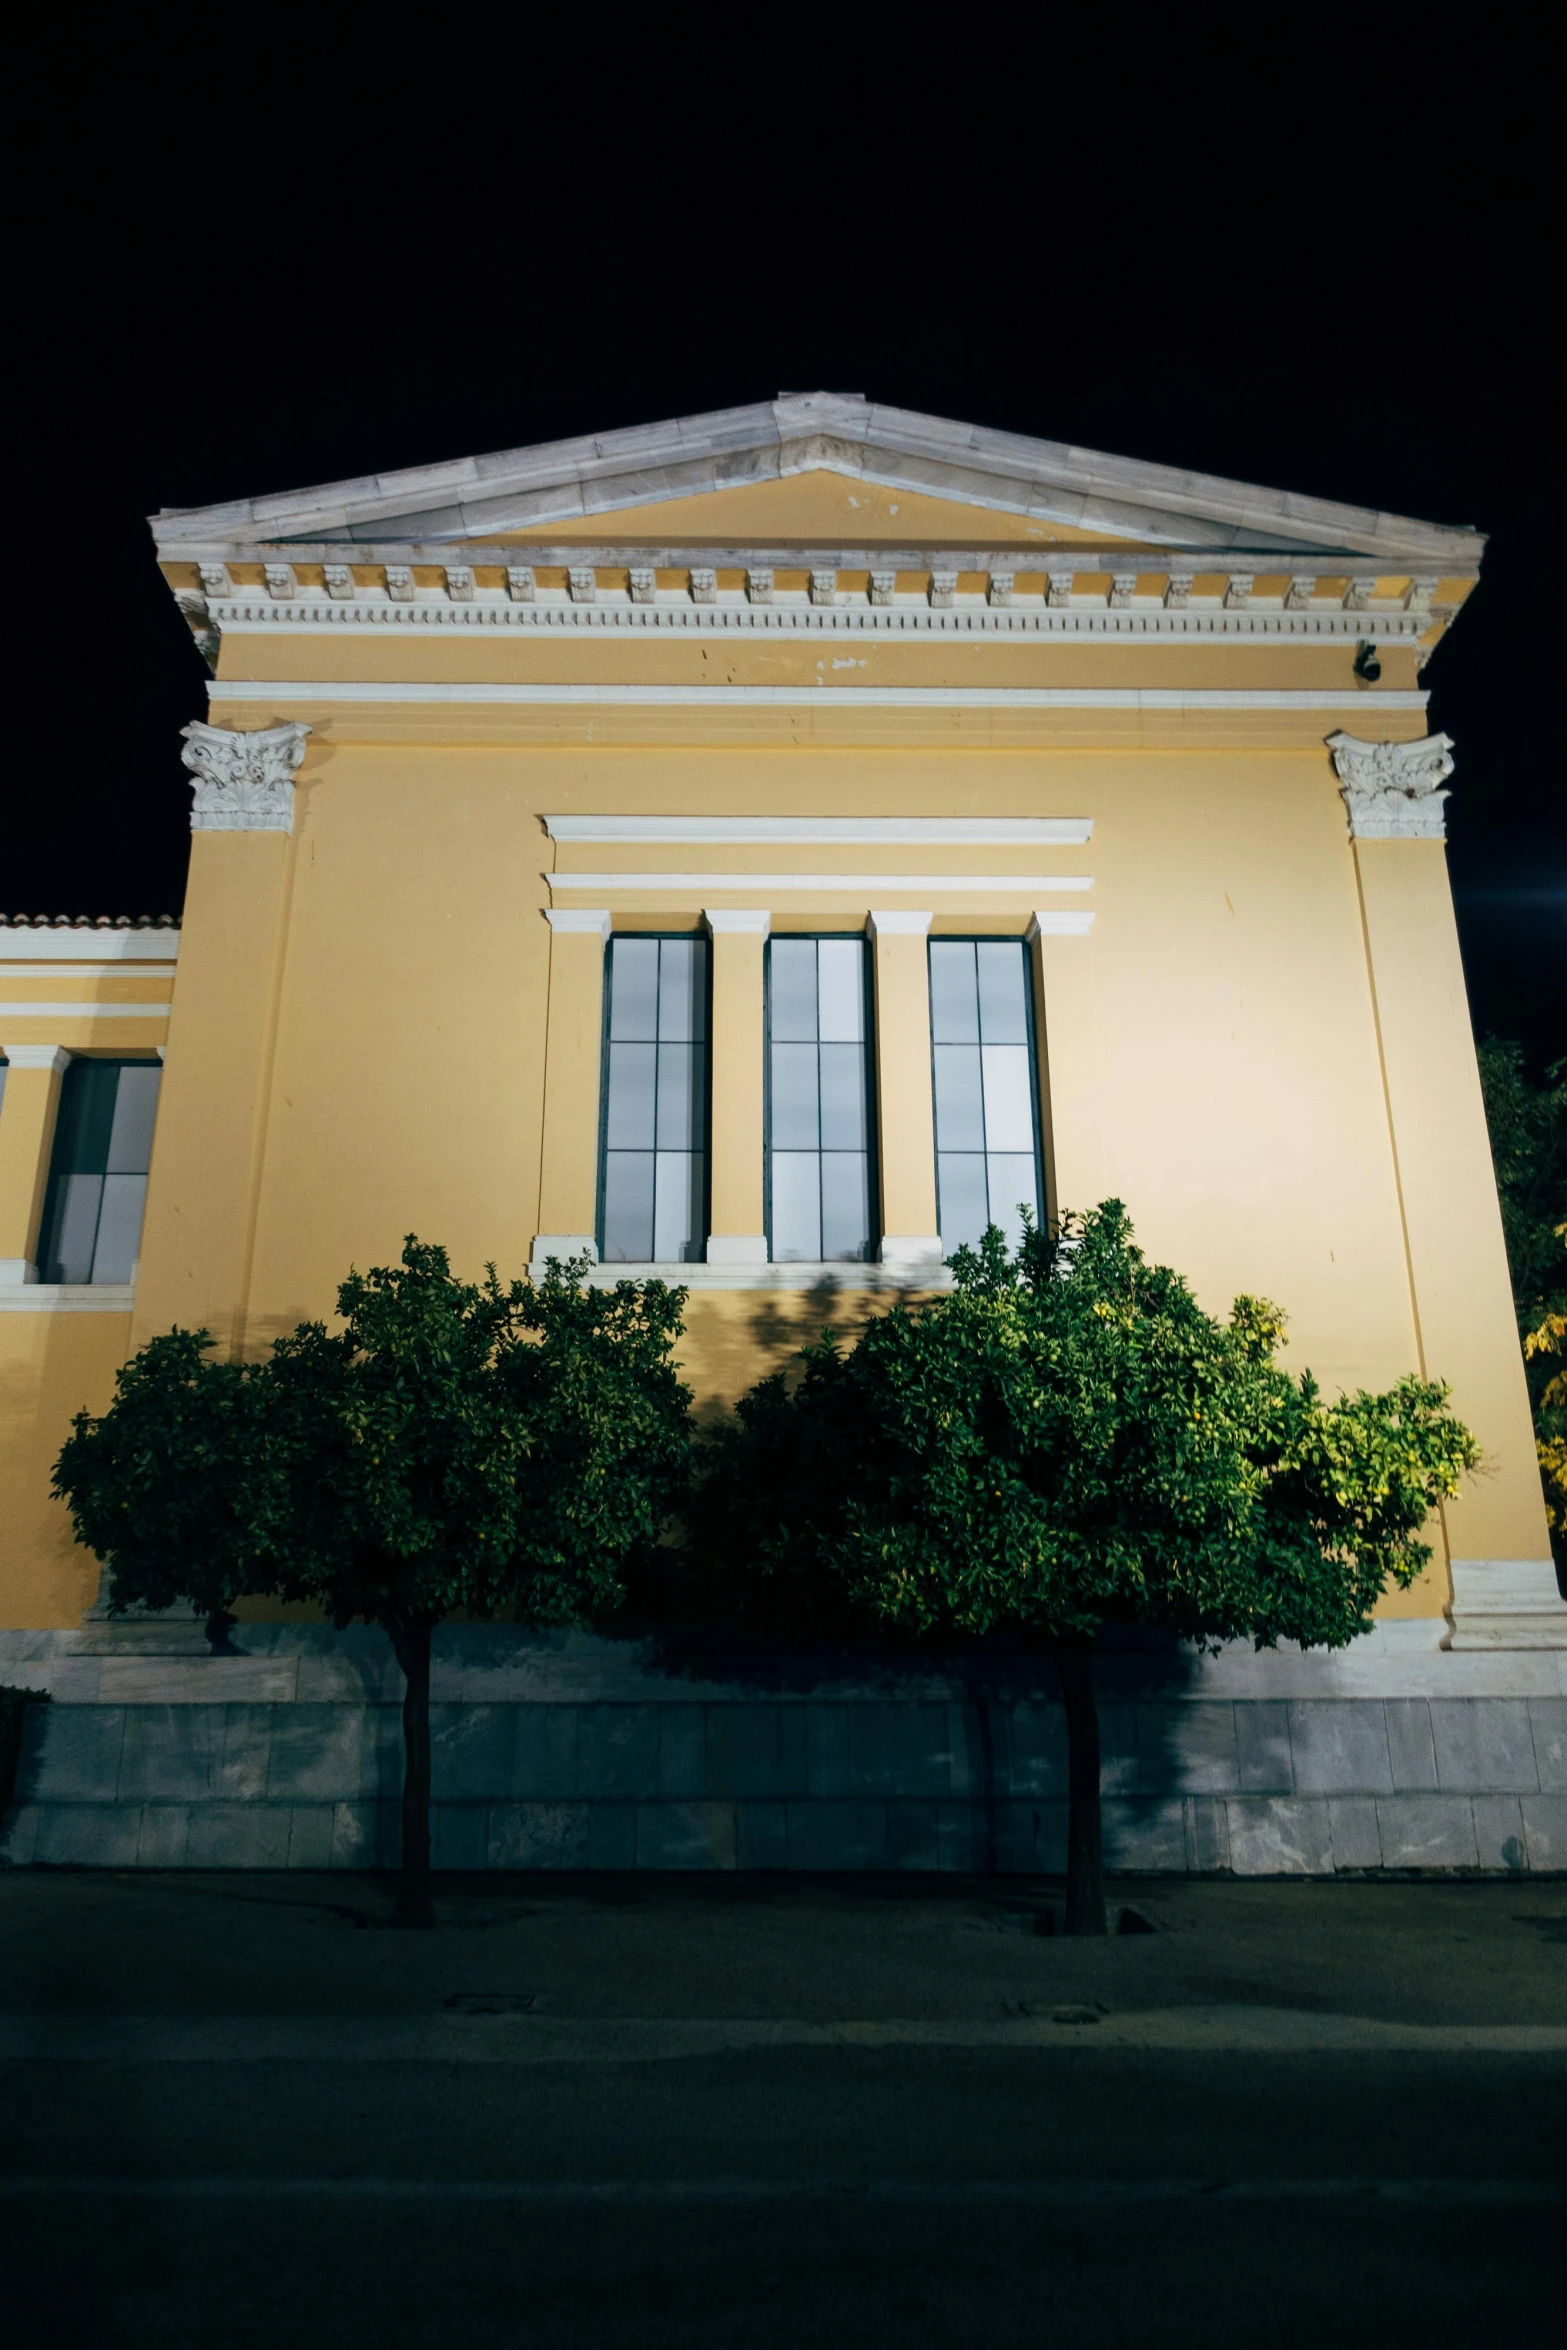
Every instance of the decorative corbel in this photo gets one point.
(1302, 588)
(943, 587)
(759, 586)
(642, 580)
(459, 582)
(282, 583)
(339, 581)
(1178, 594)
(704, 585)
(400, 583)
(824, 587)
(582, 583)
(519, 583)
(1237, 592)
(999, 588)
(884, 586)
(1123, 587)
(1060, 594)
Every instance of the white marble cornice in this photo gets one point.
(619, 613)
(1392, 790)
(894, 448)
(244, 780)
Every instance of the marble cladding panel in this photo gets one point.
(1298, 1786)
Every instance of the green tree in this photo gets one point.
(1528, 1125)
(450, 1448)
(1069, 1439)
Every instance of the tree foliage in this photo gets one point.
(451, 1447)
(1068, 1438)
(1528, 1125)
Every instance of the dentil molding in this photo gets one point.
(244, 780)
(1392, 790)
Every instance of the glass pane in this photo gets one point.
(840, 972)
(1003, 1012)
(81, 1135)
(679, 1097)
(962, 1203)
(797, 1212)
(677, 1207)
(794, 1097)
(628, 1207)
(1013, 1180)
(682, 989)
(119, 1227)
(633, 987)
(73, 1249)
(960, 1106)
(954, 1005)
(792, 988)
(1009, 1098)
(135, 1108)
(632, 1081)
(843, 1097)
(846, 1204)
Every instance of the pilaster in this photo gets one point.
(737, 1220)
(1462, 1297)
(906, 1136)
(573, 1065)
(32, 1102)
(1071, 1066)
(199, 1231)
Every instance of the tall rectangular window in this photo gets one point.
(654, 1187)
(98, 1171)
(987, 1110)
(818, 1099)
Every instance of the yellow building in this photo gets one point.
(755, 848)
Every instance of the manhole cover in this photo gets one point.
(495, 2002)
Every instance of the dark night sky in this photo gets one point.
(1275, 305)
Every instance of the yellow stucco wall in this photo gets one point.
(51, 1367)
(374, 1033)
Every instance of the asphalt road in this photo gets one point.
(760, 2112)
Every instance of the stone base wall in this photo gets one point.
(568, 1753)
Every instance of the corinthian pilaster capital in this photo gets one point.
(1392, 789)
(244, 781)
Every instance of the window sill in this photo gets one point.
(67, 1297)
(836, 1276)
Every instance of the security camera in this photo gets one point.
(1367, 667)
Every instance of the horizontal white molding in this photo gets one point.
(27, 1011)
(54, 1297)
(835, 1276)
(161, 971)
(613, 614)
(273, 691)
(893, 832)
(1059, 925)
(87, 950)
(580, 921)
(779, 884)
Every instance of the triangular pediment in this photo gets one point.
(735, 476)
(805, 510)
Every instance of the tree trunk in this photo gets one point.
(412, 1643)
(1085, 1884)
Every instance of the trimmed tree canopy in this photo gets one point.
(451, 1447)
